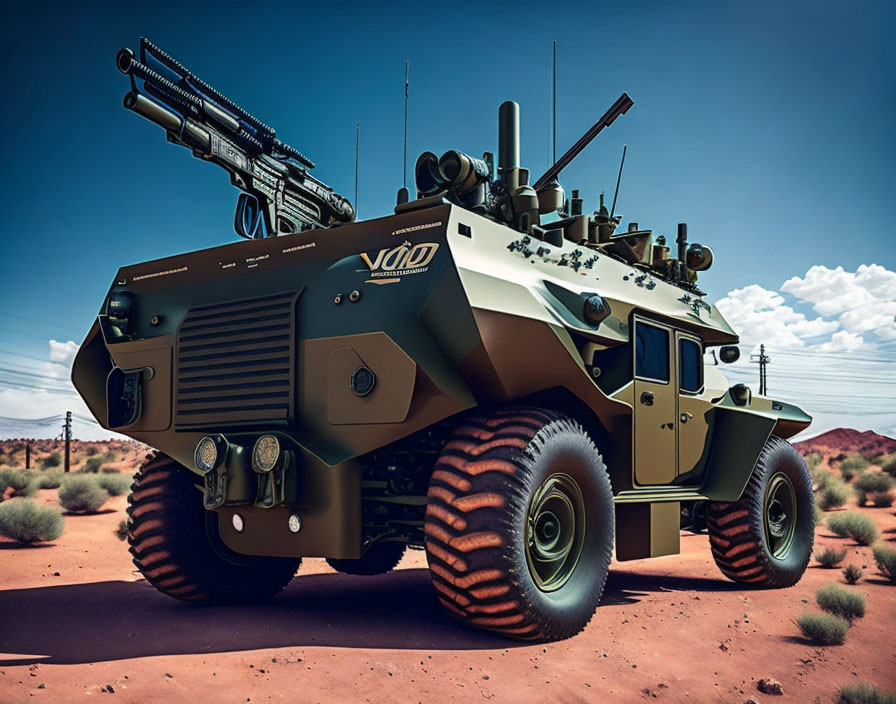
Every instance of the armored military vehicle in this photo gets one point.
(489, 374)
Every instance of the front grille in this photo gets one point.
(235, 363)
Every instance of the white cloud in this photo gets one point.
(842, 341)
(759, 315)
(864, 301)
(62, 357)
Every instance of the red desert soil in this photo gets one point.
(76, 620)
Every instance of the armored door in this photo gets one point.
(692, 426)
(655, 408)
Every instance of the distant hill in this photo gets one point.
(847, 440)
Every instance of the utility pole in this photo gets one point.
(67, 436)
(762, 359)
(27, 455)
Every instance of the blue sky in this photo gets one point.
(767, 126)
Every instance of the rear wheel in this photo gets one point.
(176, 545)
(765, 538)
(379, 558)
(519, 524)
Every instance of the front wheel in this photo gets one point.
(176, 545)
(765, 538)
(519, 524)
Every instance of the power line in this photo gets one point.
(54, 325)
(29, 356)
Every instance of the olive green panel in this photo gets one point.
(692, 414)
(647, 530)
(502, 273)
(693, 433)
(738, 438)
(791, 419)
(654, 433)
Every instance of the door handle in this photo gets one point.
(647, 398)
(685, 417)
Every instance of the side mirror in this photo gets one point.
(741, 394)
(248, 222)
(729, 354)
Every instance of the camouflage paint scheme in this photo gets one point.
(448, 317)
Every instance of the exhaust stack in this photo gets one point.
(509, 144)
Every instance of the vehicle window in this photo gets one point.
(690, 365)
(651, 352)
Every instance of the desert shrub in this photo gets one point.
(49, 480)
(122, 530)
(92, 465)
(852, 464)
(853, 525)
(820, 477)
(830, 557)
(27, 522)
(91, 450)
(3, 458)
(818, 514)
(864, 693)
(885, 557)
(110, 455)
(834, 494)
(21, 483)
(881, 499)
(52, 460)
(840, 601)
(82, 494)
(888, 464)
(813, 459)
(869, 482)
(115, 484)
(824, 629)
(106, 469)
(852, 573)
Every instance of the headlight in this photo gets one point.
(266, 453)
(206, 455)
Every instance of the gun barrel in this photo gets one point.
(620, 107)
(168, 120)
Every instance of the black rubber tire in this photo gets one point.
(380, 558)
(737, 533)
(175, 543)
(476, 517)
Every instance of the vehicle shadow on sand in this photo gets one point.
(114, 620)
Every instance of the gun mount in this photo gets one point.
(279, 195)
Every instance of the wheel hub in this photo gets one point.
(780, 515)
(555, 529)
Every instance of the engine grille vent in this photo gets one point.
(235, 363)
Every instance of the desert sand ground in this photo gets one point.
(77, 621)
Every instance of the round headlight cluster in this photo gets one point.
(266, 453)
(206, 455)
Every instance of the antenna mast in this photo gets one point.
(618, 179)
(403, 193)
(404, 163)
(554, 105)
(357, 147)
